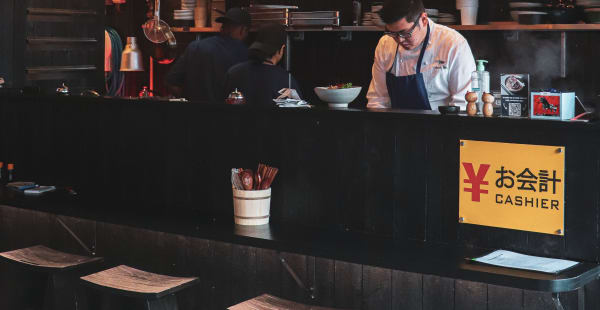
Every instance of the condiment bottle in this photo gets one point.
(488, 107)
(471, 98)
(480, 82)
(10, 172)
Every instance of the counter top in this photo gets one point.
(316, 110)
(412, 256)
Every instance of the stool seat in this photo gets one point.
(128, 281)
(43, 257)
(269, 302)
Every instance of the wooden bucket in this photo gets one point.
(251, 207)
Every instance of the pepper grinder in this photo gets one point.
(488, 107)
(471, 97)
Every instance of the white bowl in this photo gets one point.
(338, 98)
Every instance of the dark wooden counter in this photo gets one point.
(369, 187)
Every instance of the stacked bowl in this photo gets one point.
(468, 11)
(528, 12)
(591, 9)
(185, 16)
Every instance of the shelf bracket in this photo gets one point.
(297, 35)
(511, 36)
(310, 291)
(563, 54)
(345, 36)
(90, 250)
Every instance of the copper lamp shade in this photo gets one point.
(131, 59)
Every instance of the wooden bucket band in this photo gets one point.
(252, 217)
(248, 198)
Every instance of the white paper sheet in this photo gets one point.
(510, 259)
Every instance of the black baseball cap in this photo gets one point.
(269, 38)
(235, 16)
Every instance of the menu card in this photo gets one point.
(510, 259)
(514, 91)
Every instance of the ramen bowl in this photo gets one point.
(338, 97)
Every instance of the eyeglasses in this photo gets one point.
(403, 34)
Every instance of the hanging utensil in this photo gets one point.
(155, 29)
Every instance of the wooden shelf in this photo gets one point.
(494, 27)
(194, 29)
(541, 27)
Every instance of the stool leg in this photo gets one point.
(166, 303)
(23, 289)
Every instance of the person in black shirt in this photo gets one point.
(260, 79)
(199, 74)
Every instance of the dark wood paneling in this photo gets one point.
(407, 290)
(537, 300)
(348, 285)
(470, 295)
(243, 273)
(377, 288)
(591, 297)
(504, 298)
(268, 272)
(410, 213)
(323, 281)
(438, 293)
(221, 276)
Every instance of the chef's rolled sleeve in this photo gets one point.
(377, 95)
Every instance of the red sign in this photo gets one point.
(546, 105)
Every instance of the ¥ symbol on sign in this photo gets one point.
(476, 180)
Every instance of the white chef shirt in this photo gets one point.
(447, 67)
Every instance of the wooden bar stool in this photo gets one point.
(157, 291)
(45, 278)
(269, 302)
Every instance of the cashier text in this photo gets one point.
(515, 186)
(526, 181)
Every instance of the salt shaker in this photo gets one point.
(488, 107)
(471, 97)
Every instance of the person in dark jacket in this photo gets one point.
(199, 74)
(260, 79)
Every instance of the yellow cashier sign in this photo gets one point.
(515, 186)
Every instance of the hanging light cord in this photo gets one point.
(115, 78)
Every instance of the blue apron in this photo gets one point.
(408, 92)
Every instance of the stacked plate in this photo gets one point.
(188, 4)
(446, 19)
(183, 14)
(588, 3)
(433, 14)
(527, 8)
(591, 10)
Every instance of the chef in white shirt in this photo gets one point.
(418, 64)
